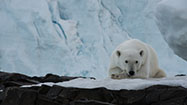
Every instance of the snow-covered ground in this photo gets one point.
(129, 84)
(76, 37)
(172, 21)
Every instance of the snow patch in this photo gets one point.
(129, 84)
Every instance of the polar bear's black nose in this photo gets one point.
(131, 73)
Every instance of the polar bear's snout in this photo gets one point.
(131, 71)
(132, 66)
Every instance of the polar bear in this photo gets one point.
(134, 59)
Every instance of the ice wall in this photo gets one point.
(76, 37)
(172, 21)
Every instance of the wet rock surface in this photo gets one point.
(12, 94)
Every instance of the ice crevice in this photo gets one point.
(61, 28)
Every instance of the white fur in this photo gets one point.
(147, 66)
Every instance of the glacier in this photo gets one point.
(77, 37)
(171, 17)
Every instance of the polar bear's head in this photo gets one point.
(130, 61)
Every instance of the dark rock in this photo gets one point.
(180, 75)
(11, 84)
(57, 95)
(28, 98)
(17, 96)
(55, 78)
(2, 94)
(69, 93)
(99, 94)
(154, 93)
(44, 89)
(44, 100)
(54, 91)
(13, 94)
(16, 79)
(136, 96)
(89, 102)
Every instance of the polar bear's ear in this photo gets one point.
(141, 52)
(118, 53)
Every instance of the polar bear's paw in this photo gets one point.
(117, 76)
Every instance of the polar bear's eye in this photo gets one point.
(136, 62)
(126, 61)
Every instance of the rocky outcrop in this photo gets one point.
(16, 79)
(57, 95)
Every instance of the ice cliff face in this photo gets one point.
(76, 37)
(172, 21)
(69, 38)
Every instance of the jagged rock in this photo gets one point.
(53, 78)
(16, 79)
(58, 95)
